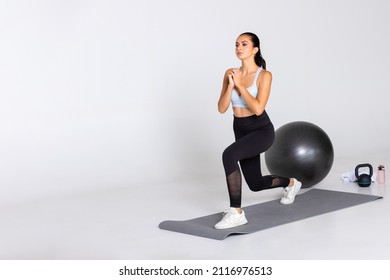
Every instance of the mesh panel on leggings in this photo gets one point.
(279, 182)
(234, 188)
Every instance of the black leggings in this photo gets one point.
(254, 135)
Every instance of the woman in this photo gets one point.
(248, 89)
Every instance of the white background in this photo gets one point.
(119, 94)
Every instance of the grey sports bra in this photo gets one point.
(237, 100)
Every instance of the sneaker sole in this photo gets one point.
(232, 226)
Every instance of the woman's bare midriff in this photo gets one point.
(240, 112)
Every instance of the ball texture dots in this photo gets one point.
(301, 150)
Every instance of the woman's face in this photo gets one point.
(244, 47)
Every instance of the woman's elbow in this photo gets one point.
(259, 111)
(221, 110)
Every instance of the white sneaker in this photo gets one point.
(290, 192)
(231, 218)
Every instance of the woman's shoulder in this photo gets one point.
(265, 74)
(265, 77)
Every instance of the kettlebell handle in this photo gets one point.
(363, 165)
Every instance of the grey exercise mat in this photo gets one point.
(271, 214)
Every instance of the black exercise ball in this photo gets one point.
(301, 150)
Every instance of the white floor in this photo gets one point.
(123, 224)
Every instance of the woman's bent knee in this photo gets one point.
(230, 162)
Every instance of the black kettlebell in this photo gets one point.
(363, 180)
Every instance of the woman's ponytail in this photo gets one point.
(260, 61)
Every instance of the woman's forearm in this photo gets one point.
(224, 100)
(253, 103)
